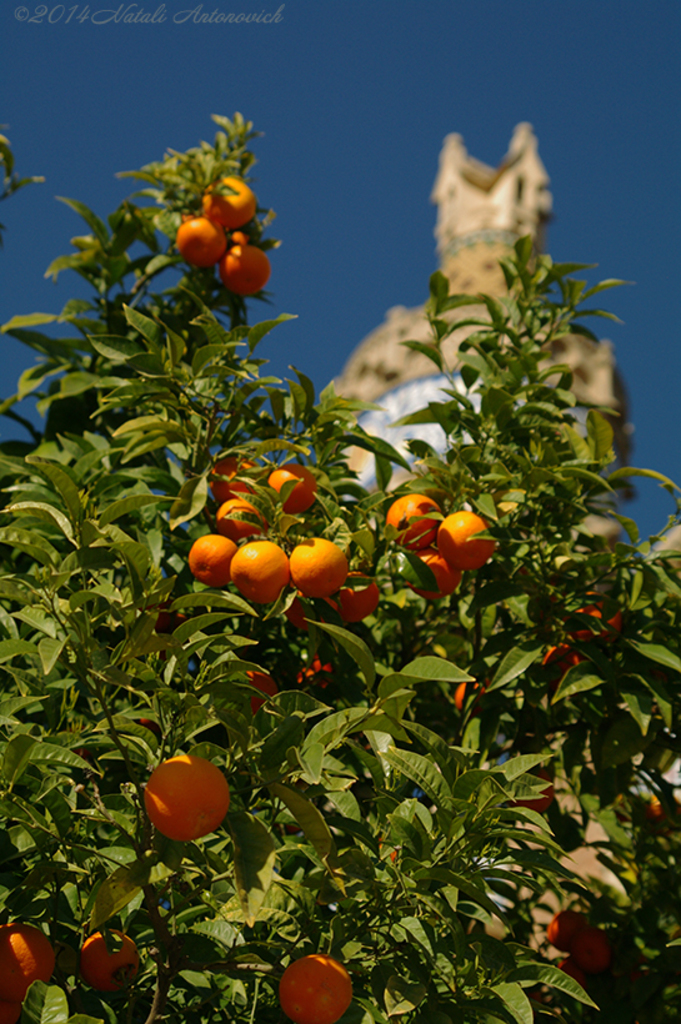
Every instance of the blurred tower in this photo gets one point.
(481, 212)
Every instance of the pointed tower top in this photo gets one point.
(478, 203)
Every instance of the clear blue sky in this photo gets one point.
(354, 98)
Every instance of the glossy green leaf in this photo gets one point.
(254, 857)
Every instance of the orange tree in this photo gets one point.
(368, 809)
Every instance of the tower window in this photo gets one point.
(519, 189)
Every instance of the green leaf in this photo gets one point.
(92, 220)
(49, 652)
(17, 756)
(538, 974)
(12, 648)
(400, 997)
(600, 434)
(46, 1004)
(309, 818)
(118, 890)
(429, 351)
(626, 471)
(623, 741)
(355, 647)
(513, 664)
(422, 771)
(516, 1001)
(610, 282)
(149, 329)
(435, 668)
(114, 348)
(254, 857)
(654, 652)
(48, 513)
(258, 331)
(190, 502)
(377, 446)
(125, 505)
(62, 482)
(579, 679)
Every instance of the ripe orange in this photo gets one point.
(238, 528)
(355, 605)
(315, 673)
(201, 242)
(571, 967)
(223, 490)
(9, 1012)
(303, 493)
(104, 971)
(315, 990)
(260, 571)
(456, 543)
(186, 797)
(446, 577)
(563, 928)
(25, 956)
(591, 950)
(239, 238)
(231, 210)
(318, 567)
(460, 696)
(562, 658)
(541, 802)
(244, 269)
(266, 684)
(596, 610)
(210, 559)
(408, 514)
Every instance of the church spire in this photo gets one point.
(483, 210)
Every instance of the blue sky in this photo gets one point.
(354, 98)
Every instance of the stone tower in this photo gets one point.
(481, 212)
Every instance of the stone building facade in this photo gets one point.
(481, 212)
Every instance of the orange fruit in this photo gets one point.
(304, 491)
(244, 269)
(446, 577)
(318, 567)
(315, 673)
(210, 559)
(408, 514)
(596, 610)
(563, 928)
(238, 528)
(260, 571)
(25, 956)
(355, 605)
(266, 684)
(562, 658)
(186, 797)
(201, 242)
(231, 210)
(9, 1012)
(229, 467)
(239, 238)
(456, 541)
(315, 990)
(104, 971)
(460, 696)
(541, 802)
(591, 950)
(571, 967)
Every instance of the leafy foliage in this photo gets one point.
(371, 817)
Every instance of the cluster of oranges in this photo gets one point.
(261, 569)
(26, 955)
(214, 238)
(448, 546)
(588, 947)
